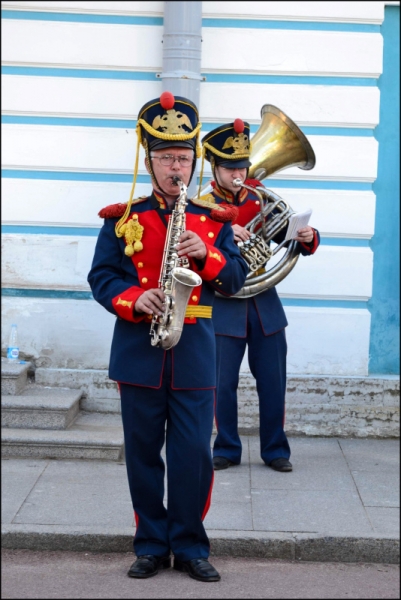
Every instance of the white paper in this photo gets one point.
(296, 222)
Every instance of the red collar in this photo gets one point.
(161, 200)
(227, 196)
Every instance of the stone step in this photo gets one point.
(92, 436)
(39, 407)
(100, 394)
(13, 376)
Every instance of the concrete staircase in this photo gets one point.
(40, 421)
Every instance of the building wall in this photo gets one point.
(74, 76)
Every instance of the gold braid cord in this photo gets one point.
(224, 155)
(170, 137)
(180, 137)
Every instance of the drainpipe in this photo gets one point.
(182, 39)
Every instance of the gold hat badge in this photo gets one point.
(172, 122)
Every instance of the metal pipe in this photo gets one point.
(182, 39)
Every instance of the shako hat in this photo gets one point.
(228, 145)
(162, 123)
(169, 121)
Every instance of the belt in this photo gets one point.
(198, 310)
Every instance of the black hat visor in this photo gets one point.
(161, 144)
(243, 163)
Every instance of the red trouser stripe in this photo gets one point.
(209, 499)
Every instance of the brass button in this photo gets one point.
(140, 265)
(220, 283)
(194, 298)
(144, 280)
(211, 234)
(135, 216)
(192, 317)
(257, 202)
(203, 218)
(149, 317)
(216, 280)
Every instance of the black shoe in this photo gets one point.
(148, 565)
(197, 568)
(281, 464)
(219, 462)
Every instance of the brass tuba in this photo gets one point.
(278, 144)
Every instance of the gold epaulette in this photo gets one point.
(218, 212)
(117, 210)
(207, 201)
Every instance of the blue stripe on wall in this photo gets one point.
(337, 241)
(27, 15)
(125, 178)
(292, 79)
(131, 124)
(317, 184)
(385, 302)
(94, 231)
(82, 295)
(206, 22)
(73, 176)
(210, 77)
(49, 230)
(314, 130)
(68, 121)
(312, 303)
(39, 293)
(290, 25)
(79, 73)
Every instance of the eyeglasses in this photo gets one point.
(168, 159)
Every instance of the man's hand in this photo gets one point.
(305, 235)
(191, 245)
(240, 233)
(150, 302)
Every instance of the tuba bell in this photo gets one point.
(278, 144)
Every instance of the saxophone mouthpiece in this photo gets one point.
(176, 180)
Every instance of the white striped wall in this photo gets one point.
(69, 109)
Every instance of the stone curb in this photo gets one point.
(256, 544)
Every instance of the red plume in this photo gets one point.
(167, 100)
(239, 126)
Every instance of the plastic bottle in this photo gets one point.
(13, 349)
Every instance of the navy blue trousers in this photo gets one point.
(267, 362)
(183, 419)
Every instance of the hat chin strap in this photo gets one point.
(159, 187)
(220, 186)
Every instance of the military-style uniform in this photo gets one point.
(167, 395)
(258, 322)
(118, 280)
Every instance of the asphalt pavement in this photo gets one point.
(340, 503)
(61, 574)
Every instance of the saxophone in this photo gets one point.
(176, 280)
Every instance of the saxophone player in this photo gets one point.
(258, 322)
(167, 395)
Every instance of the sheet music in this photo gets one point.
(296, 222)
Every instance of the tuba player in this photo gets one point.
(258, 322)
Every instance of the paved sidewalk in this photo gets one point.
(340, 503)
